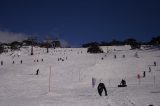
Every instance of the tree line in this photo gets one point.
(131, 41)
(15, 45)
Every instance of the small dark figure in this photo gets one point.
(1, 63)
(102, 58)
(21, 61)
(13, 62)
(37, 60)
(149, 69)
(62, 59)
(93, 82)
(154, 63)
(138, 76)
(123, 56)
(144, 74)
(151, 105)
(66, 58)
(42, 60)
(37, 72)
(115, 56)
(34, 60)
(123, 83)
(100, 89)
(58, 59)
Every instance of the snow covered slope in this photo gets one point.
(71, 77)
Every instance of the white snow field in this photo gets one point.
(70, 81)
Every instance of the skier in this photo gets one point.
(149, 69)
(21, 61)
(37, 72)
(1, 63)
(144, 74)
(154, 63)
(100, 89)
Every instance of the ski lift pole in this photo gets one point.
(154, 78)
(50, 79)
(79, 75)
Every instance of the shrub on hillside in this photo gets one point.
(133, 43)
(94, 49)
(155, 41)
(15, 45)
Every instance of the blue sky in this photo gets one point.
(81, 21)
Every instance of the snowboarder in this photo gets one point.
(37, 72)
(115, 56)
(100, 89)
(123, 83)
(13, 62)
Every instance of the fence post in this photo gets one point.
(154, 80)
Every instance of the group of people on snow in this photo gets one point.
(101, 87)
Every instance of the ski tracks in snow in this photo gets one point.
(120, 97)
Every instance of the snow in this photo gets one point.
(71, 78)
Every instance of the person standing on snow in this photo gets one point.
(37, 72)
(154, 63)
(144, 74)
(100, 89)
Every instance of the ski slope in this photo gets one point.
(70, 81)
